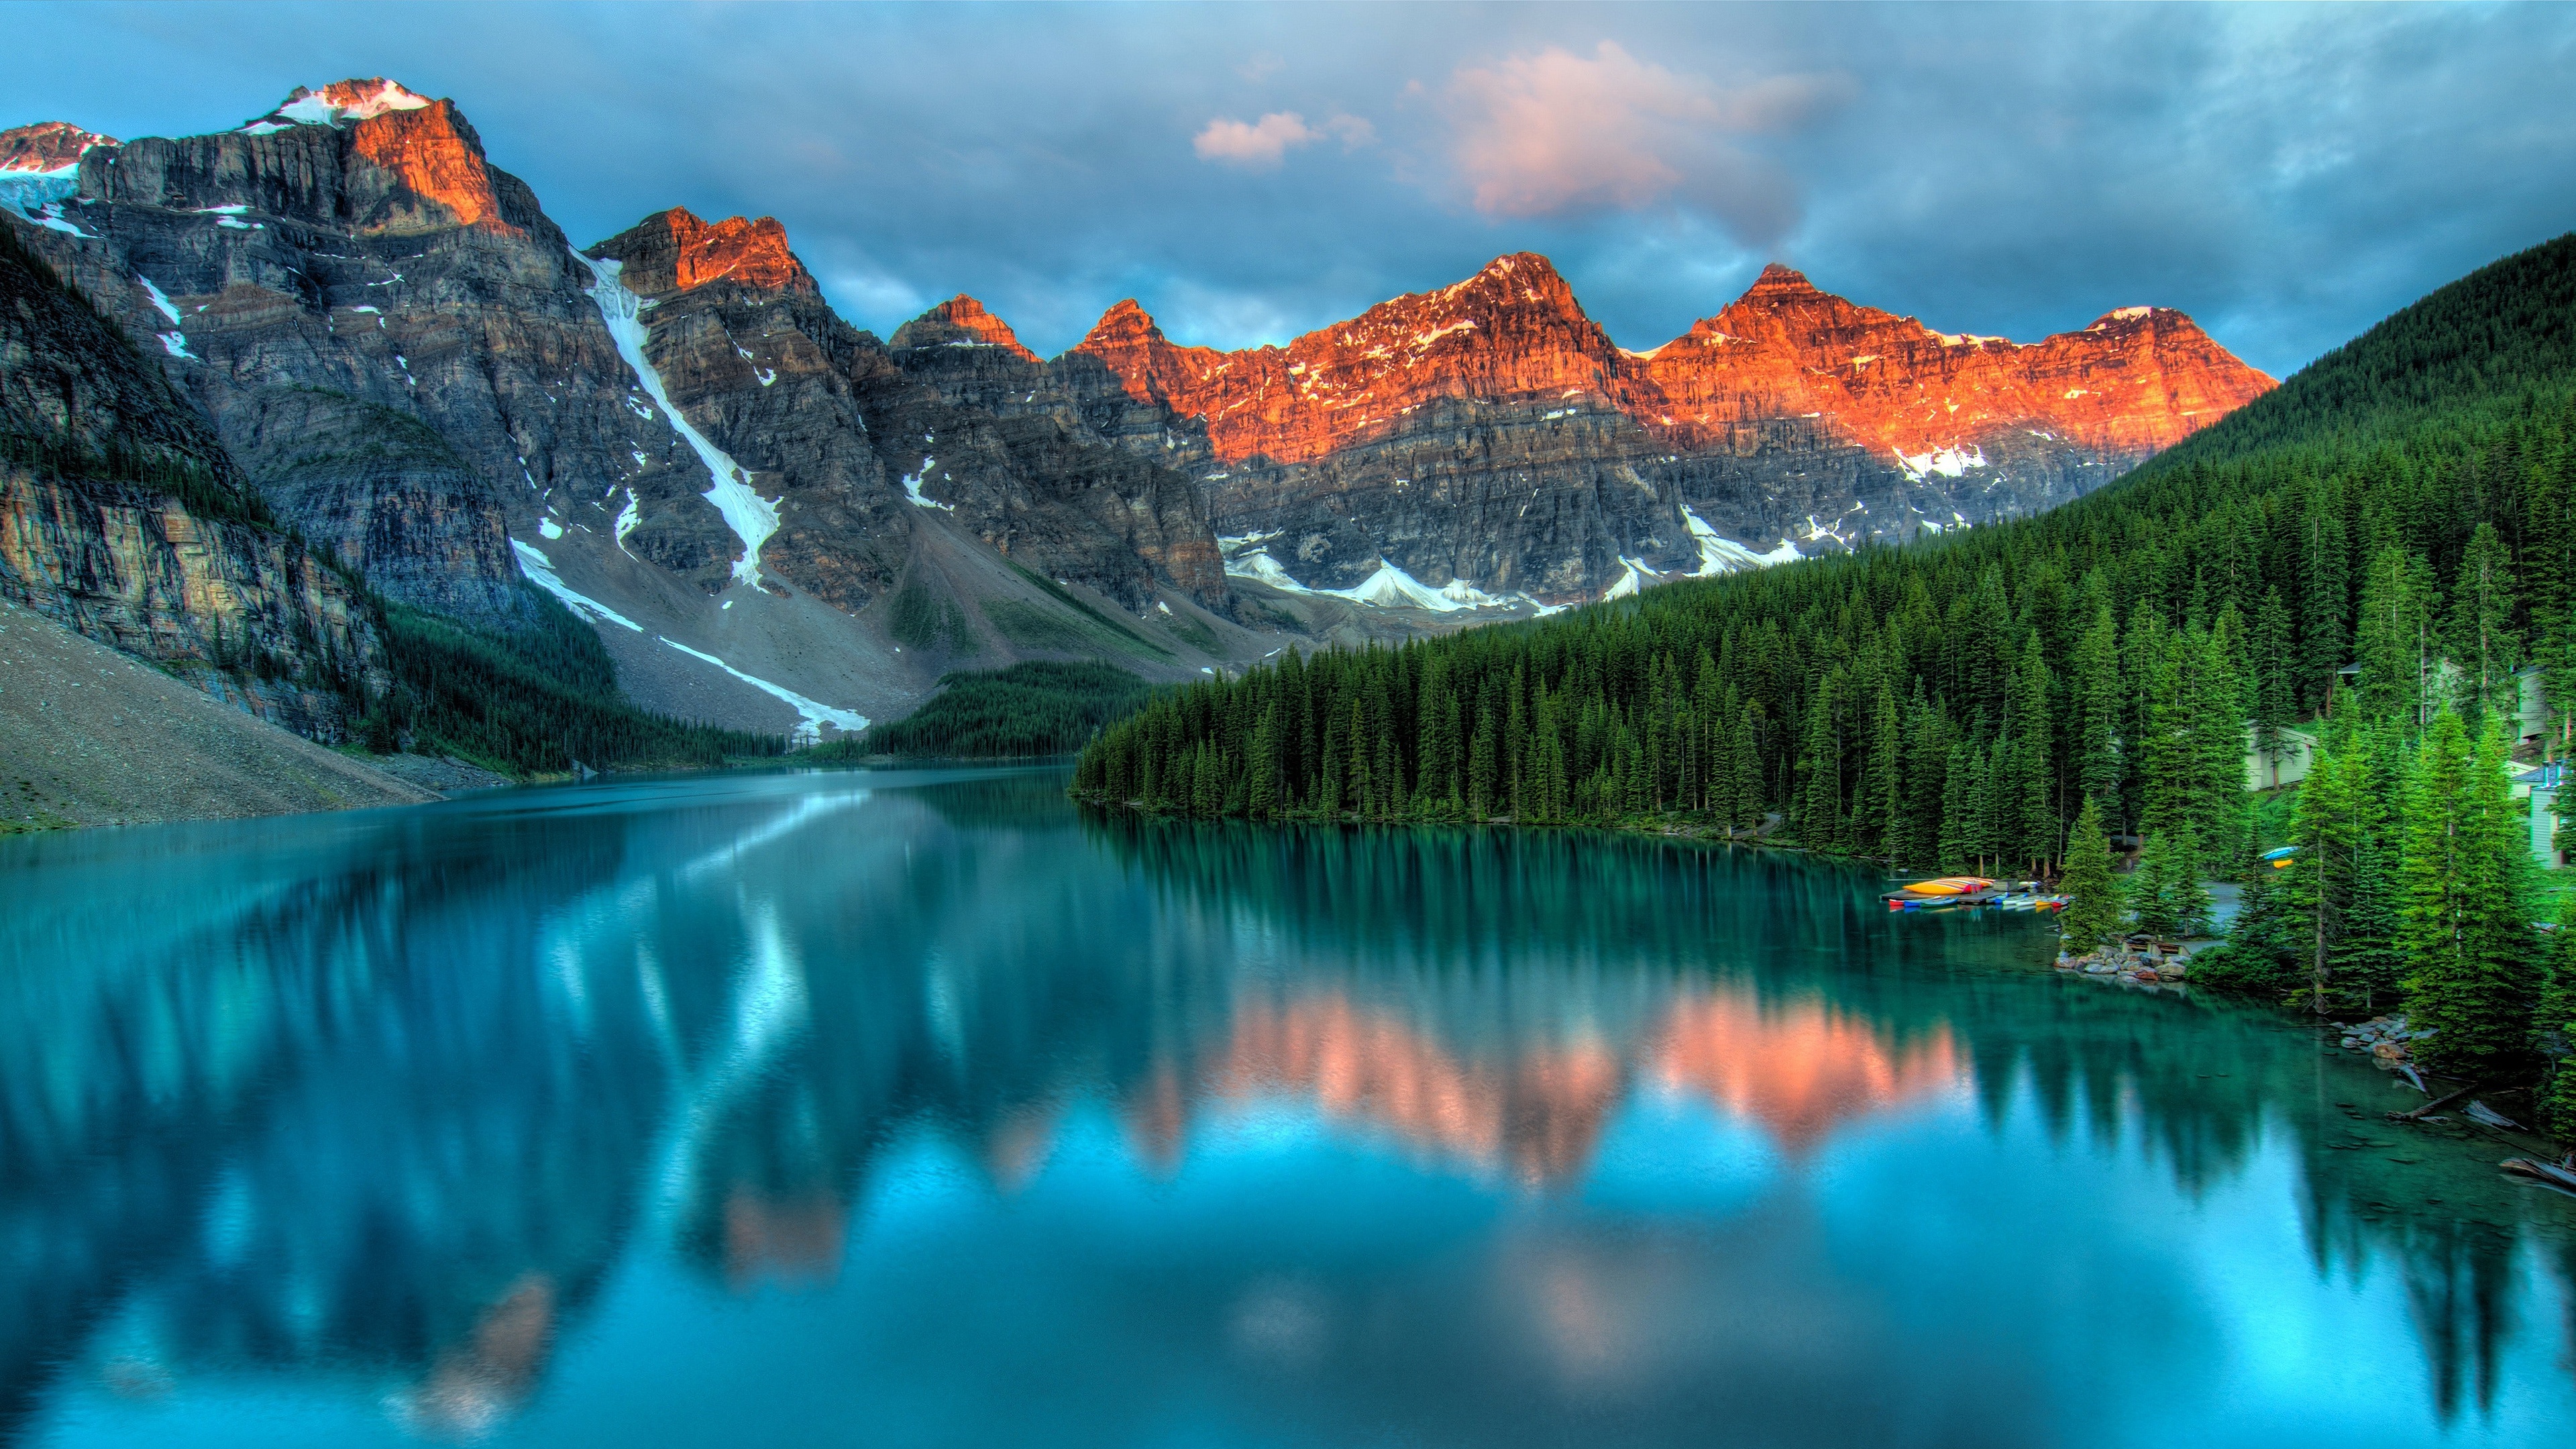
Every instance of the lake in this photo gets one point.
(920, 1108)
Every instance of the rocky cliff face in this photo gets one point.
(1488, 433)
(122, 515)
(357, 243)
(850, 443)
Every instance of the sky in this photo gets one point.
(2287, 175)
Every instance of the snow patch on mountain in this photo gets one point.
(541, 572)
(1952, 462)
(751, 517)
(1389, 587)
(1721, 555)
(339, 104)
(816, 714)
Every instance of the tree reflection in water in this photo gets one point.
(383, 1101)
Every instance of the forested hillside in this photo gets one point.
(2403, 505)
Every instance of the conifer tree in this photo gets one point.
(2554, 1027)
(2098, 712)
(2482, 641)
(2462, 927)
(2152, 892)
(2325, 596)
(2094, 914)
(2028, 804)
(2275, 685)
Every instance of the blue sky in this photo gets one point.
(2287, 175)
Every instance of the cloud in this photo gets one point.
(1556, 134)
(1260, 145)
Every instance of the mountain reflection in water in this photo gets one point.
(760, 1107)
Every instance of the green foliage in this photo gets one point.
(535, 700)
(2097, 908)
(2167, 893)
(1093, 628)
(198, 486)
(920, 619)
(1038, 708)
(2463, 925)
(2554, 1027)
(1955, 702)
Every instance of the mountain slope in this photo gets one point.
(1957, 702)
(92, 737)
(122, 516)
(1490, 433)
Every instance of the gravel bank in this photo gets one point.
(89, 736)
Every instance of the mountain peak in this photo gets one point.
(961, 321)
(1779, 282)
(340, 103)
(673, 251)
(47, 146)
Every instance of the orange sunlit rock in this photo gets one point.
(1800, 1071)
(673, 251)
(961, 319)
(2137, 380)
(437, 158)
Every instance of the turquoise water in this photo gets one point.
(920, 1109)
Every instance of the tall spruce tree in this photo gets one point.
(2463, 928)
(2096, 909)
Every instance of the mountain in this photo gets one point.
(775, 521)
(1490, 436)
(1962, 702)
(422, 376)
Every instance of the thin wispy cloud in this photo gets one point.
(1263, 144)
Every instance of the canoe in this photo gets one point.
(1944, 893)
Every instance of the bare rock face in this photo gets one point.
(1016, 450)
(961, 321)
(379, 490)
(122, 515)
(357, 242)
(47, 146)
(1490, 433)
(746, 349)
(852, 442)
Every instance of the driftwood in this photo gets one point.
(2436, 1105)
(2551, 1173)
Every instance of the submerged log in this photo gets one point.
(2436, 1105)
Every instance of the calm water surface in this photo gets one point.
(900, 1109)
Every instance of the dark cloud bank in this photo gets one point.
(2286, 175)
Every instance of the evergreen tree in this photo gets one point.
(2030, 787)
(2275, 686)
(2098, 710)
(2482, 640)
(2152, 891)
(2096, 908)
(2554, 1027)
(2463, 928)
